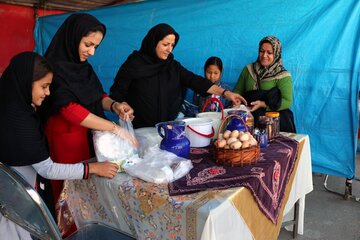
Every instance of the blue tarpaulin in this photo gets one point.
(321, 49)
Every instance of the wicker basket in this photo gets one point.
(235, 157)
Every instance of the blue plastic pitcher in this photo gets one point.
(236, 123)
(173, 138)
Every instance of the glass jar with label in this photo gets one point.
(267, 123)
(275, 116)
(250, 121)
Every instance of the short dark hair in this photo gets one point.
(213, 61)
(41, 68)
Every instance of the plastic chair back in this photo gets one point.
(20, 203)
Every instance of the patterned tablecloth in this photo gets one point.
(266, 179)
(147, 211)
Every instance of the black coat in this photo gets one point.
(158, 96)
(153, 87)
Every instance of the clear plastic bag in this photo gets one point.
(147, 137)
(153, 165)
(110, 147)
(159, 166)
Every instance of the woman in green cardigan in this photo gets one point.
(267, 85)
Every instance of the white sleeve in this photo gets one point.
(58, 171)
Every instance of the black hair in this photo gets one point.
(41, 67)
(213, 61)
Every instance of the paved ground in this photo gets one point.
(327, 215)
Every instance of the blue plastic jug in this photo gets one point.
(173, 138)
(236, 123)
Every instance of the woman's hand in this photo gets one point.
(257, 104)
(103, 169)
(123, 110)
(125, 134)
(235, 98)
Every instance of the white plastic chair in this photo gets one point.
(20, 203)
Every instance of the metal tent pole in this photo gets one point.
(348, 188)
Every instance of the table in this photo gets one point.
(146, 210)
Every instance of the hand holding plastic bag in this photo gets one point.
(126, 131)
(155, 165)
(119, 146)
(123, 110)
(127, 136)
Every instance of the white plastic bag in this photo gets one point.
(155, 165)
(147, 137)
(159, 166)
(110, 147)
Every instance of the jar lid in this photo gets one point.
(272, 114)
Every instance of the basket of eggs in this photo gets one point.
(235, 148)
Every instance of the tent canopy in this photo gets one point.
(320, 49)
(73, 5)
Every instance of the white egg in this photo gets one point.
(221, 143)
(244, 137)
(230, 140)
(245, 144)
(234, 134)
(235, 145)
(226, 134)
(253, 142)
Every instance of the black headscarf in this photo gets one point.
(156, 34)
(22, 139)
(145, 63)
(74, 81)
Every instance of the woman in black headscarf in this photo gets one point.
(23, 87)
(267, 85)
(77, 102)
(153, 82)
